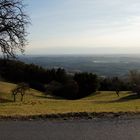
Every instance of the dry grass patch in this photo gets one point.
(36, 103)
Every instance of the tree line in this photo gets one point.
(59, 83)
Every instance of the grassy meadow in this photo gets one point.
(36, 103)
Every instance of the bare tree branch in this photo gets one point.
(13, 24)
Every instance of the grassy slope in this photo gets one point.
(36, 103)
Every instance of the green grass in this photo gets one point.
(36, 103)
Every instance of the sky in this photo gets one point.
(83, 26)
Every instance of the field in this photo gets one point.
(36, 103)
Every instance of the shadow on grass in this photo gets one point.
(5, 100)
(123, 99)
(129, 97)
(49, 97)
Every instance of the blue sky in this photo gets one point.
(83, 26)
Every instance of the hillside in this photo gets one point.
(36, 103)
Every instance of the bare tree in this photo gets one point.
(13, 23)
(14, 93)
(134, 77)
(117, 85)
(21, 89)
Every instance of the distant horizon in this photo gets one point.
(86, 51)
(101, 54)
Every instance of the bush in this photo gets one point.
(87, 82)
(69, 90)
(37, 86)
(53, 88)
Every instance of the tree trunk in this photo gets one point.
(14, 98)
(22, 97)
(117, 92)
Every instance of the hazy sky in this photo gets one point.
(83, 26)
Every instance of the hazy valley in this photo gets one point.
(104, 65)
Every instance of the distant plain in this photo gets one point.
(103, 65)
